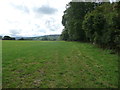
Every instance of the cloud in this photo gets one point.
(37, 26)
(42, 30)
(14, 32)
(52, 24)
(45, 10)
(31, 17)
(21, 7)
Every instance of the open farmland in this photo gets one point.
(51, 64)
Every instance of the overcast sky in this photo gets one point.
(31, 17)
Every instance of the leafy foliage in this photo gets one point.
(72, 20)
(8, 38)
(97, 23)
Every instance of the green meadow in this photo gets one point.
(57, 64)
(0, 64)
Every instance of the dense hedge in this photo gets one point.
(98, 23)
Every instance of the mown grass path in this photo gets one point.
(50, 64)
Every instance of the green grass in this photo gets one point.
(51, 64)
(0, 64)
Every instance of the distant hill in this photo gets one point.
(47, 38)
(25, 38)
(41, 38)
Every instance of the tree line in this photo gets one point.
(97, 23)
(41, 38)
(8, 38)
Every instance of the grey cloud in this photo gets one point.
(14, 32)
(46, 10)
(54, 27)
(51, 24)
(21, 7)
(42, 30)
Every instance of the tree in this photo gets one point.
(73, 18)
(103, 28)
(64, 35)
(21, 39)
(8, 38)
(97, 23)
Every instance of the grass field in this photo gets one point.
(0, 64)
(50, 64)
